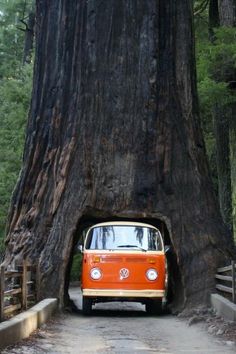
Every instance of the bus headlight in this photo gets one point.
(151, 274)
(95, 273)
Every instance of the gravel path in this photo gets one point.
(120, 328)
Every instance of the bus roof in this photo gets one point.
(124, 223)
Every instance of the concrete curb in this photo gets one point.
(223, 307)
(22, 325)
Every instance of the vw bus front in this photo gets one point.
(123, 261)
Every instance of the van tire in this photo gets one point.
(86, 306)
(154, 307)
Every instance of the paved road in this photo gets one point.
(120, 328)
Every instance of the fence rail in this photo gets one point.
(17, 288)
(226, 279)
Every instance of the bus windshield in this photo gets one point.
(123, 237)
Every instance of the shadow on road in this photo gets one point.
(111, 309)
(105, 310)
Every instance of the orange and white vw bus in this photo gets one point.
(123, 261)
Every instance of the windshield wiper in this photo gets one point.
(132, 246)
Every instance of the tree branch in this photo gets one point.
(199, 9)
(21, 29)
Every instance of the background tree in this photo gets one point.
(216, 74)
(15, 90)
(114, 133)
(227, 11)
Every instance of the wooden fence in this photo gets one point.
(226, 276)
(17, 289)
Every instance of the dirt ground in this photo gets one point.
(125, 328)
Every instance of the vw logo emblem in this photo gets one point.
(124, 273)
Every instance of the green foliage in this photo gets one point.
(76, 267)
(216, 69)
(15, 90)
(12, 13)
(216, 64)
(14, 103)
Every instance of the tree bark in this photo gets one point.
(224, 129)
(227, 11)
(214, 19)
(29, 38)
(233, 164)
(222, 134)
(113, 133)
(219, 15)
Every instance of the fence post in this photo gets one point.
(233, 282)
(2, 289)
(24, 285)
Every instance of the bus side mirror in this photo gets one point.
(81, 248)
(167, 248)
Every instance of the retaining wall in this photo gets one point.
(223, 307)
(22, 325)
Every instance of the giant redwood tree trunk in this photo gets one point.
(113, 132)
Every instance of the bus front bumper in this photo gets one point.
(123, 293)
